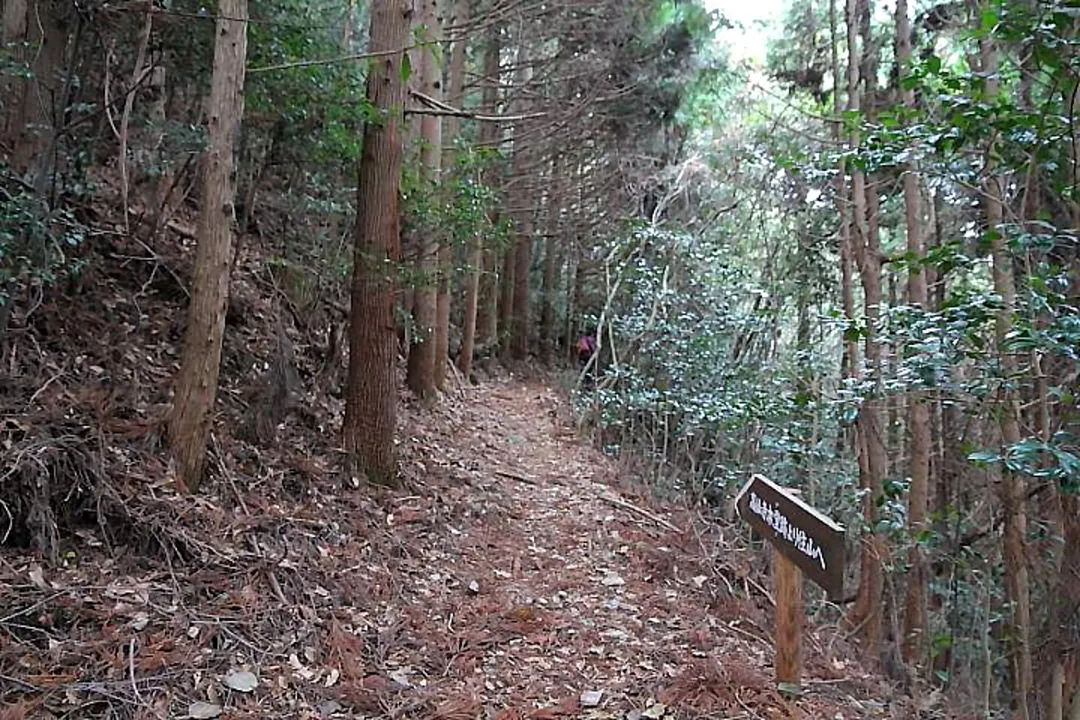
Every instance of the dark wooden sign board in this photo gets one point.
(799, 532)
(803, 541)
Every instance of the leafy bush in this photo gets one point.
(36, 242)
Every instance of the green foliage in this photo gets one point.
(469, 204)
(690, 389)
(728, 328)
(317, 110)
(457, 207)
(801, 57)
(672, 70)
(1054, 460)
(36, 242)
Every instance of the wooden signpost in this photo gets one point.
(803, 541)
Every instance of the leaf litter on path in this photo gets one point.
(541, 591)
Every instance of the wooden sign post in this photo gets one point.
(787, 582)
(804, 542)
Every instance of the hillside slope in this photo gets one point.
(514, 576)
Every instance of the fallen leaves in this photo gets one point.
(203, 710)
(526, 594)
(591, 698)
(613, 580)
(243, 681)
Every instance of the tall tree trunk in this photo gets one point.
(522, 252)
(867, 613)
(1013, 488)
(411, 243)
(894, 405)
(196, 383)
(804, 380)
(12, 36)
(38, 97)
(551, 241)
(1069, 593)
(1047, 554)
(1052, 669)
(849, 360)
(489, 320)
(506, 299)
(573, 300)
(489, 99)
(487, 304)
(455, 87)
(371, 391)
(869, 426)
(444, 262)
(129, 105)
(423, 352)
(157, 196)
(520, 255)
(914, 634)
(950, 464)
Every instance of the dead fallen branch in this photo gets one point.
(619, 502)
(515, 476)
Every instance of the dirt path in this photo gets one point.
(547, 599)
(512, 579)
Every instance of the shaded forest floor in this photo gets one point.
(519, 573)
(512, 579)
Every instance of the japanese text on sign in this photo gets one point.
(776, 519)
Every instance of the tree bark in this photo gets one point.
(487, 304)
(573, 301)
(473, 327)
(520, 254)
(423, 352)
(849, 359)
(1069, 597)
(551, 241)
(158, 195)
(506, 299)
(371, 392)
(1013, 487)
(13, 34)
(914, 643)
(129, 106)
(196, 383)
(455, 86)
(519, 346)
(489, 310)
(867, 614)
(43, 28)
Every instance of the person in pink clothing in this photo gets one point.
(586, 348)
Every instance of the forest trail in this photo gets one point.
(569, 598)
(514, 576)
(560, 596)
